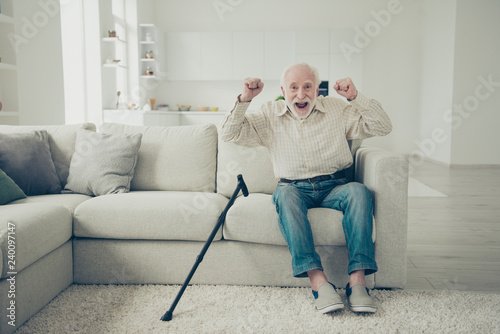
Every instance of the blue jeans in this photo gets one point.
(292, 200)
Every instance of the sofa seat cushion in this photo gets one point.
(69, 201)
(38, 229)
(176, 158)
(254, 219)
(150, 215)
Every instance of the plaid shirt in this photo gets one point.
(317, 145)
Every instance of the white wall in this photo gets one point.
(72, 37)
(40, 77)
(392, 74)
(436, 89)
(476, 136)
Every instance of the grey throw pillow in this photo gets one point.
(102, 163)
(26, 159)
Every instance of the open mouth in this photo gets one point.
(301, 106)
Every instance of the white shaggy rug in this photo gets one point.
(243, 309)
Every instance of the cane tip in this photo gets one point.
(167, 316)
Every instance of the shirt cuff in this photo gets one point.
(237, 112)
(239, 108)
(361, 102)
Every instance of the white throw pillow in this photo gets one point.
(103, 163)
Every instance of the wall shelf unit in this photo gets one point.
(148, 49)
(115, 58)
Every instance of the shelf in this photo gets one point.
(114, 66)
(148, 76)
(9, 113)
(147, 42)
(148, 59)
(113, 39)
(5, 66)
(6, 19)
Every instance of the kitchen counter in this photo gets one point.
(162, 118)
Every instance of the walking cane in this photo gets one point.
(241, 186)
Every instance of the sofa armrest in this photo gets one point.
(386, 175)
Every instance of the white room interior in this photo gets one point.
(434, 66)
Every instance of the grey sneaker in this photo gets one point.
(327, 299)
(359, 299)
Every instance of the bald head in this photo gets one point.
(300, 66)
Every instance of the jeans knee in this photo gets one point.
(358, 189)
(358, 192)
(285, 195)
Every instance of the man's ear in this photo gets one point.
(317, 91)
(283, 91)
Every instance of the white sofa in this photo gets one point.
(152, 234)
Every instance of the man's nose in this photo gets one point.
(301, 93)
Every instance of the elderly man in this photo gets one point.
(306, 136)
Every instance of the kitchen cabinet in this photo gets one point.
(184, 55)
(279, 52)
(238, 55)
(313, 41)
(248, 55)
(216, 55)
(313, 47)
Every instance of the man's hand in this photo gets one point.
(346, 88)
(251, 88)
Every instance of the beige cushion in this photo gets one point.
(253, 163)
(40, 228)
(179, 158)
(150, 215)
(103, 163)
(61, 140)
(254, 219)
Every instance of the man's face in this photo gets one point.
(300, 91)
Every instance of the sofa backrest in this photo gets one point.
(177, 158)
(253, 163)
(61, 140)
